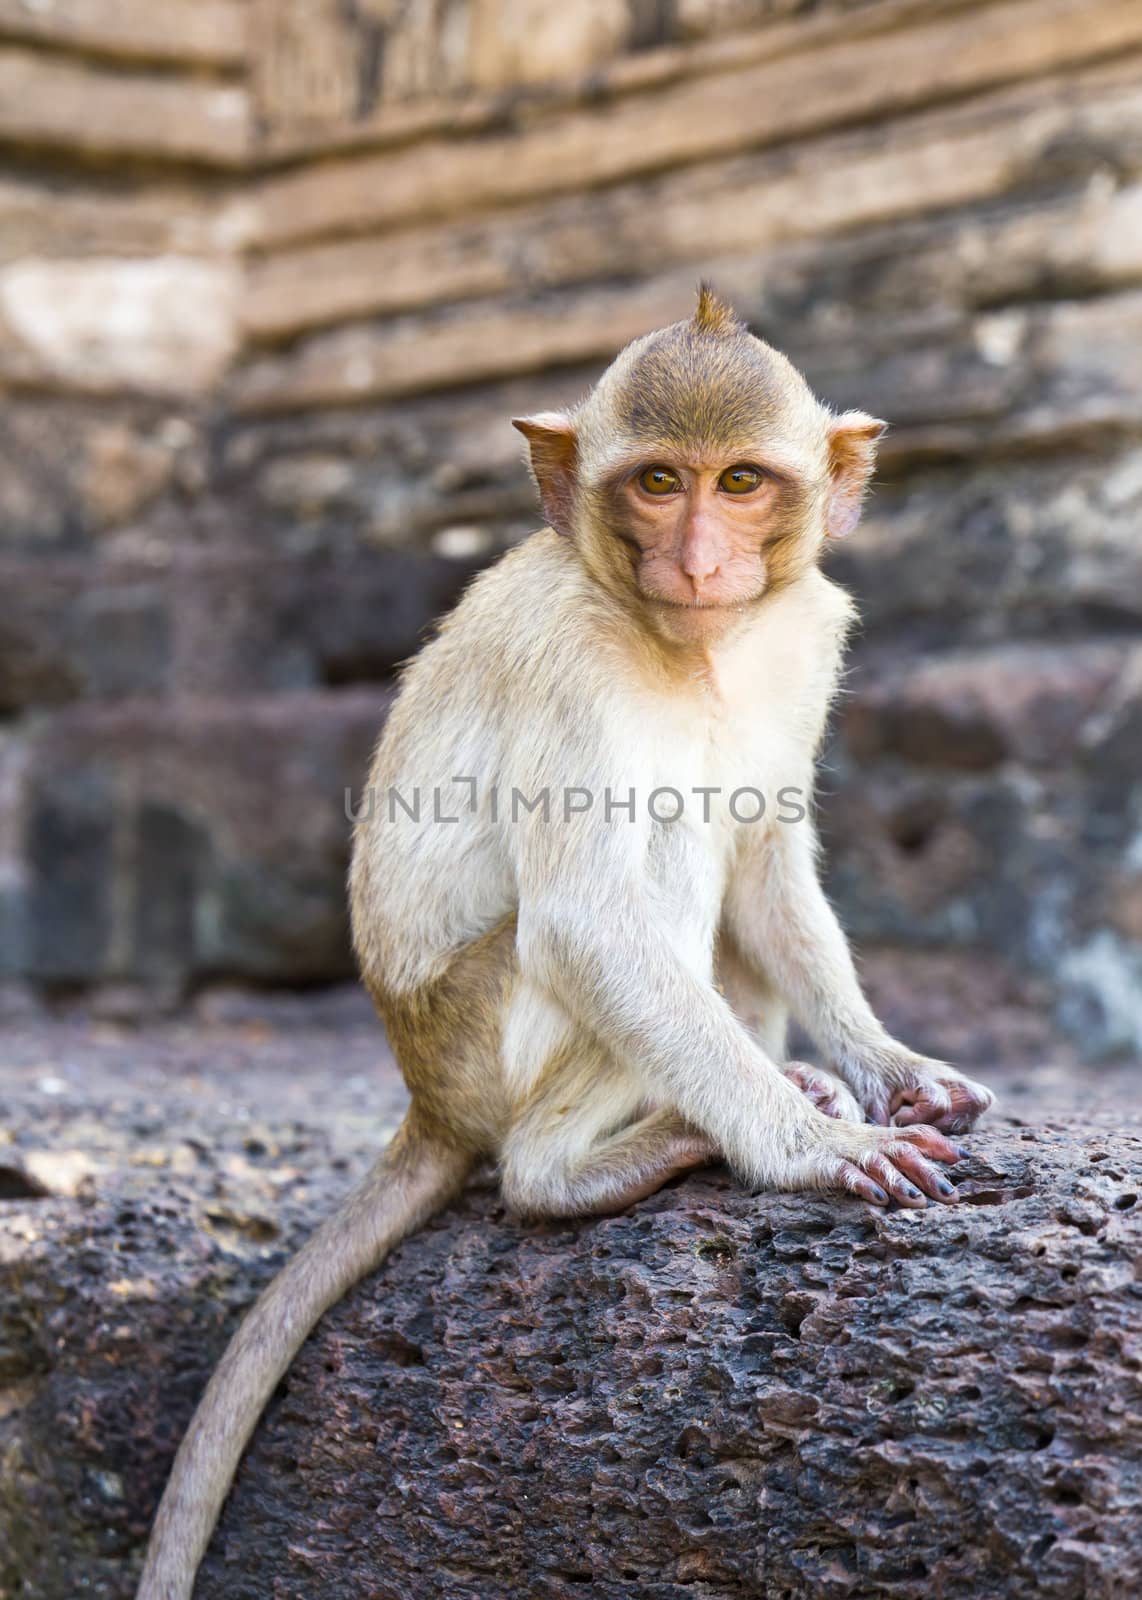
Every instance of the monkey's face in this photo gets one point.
(706, 533)
(700, 474)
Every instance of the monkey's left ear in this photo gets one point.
(852, 452)
(554, 458)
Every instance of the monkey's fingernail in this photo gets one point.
(879, 1195)
(961, 1151)
(911, 1191)
(944, 1186)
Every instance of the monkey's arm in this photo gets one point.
(784, 926)
(594, 936)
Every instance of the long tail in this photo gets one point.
(412, 1179)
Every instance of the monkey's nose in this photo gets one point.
(701, 556)
(700, 580)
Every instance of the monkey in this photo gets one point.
(594, 997)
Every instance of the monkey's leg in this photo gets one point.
(564, 1156)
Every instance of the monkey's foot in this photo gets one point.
(826, 1092)
(929, 1092)
(951, 1106)
(683, 1154)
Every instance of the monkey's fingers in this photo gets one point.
(924, 1174)
(884, 1169)
(929, 1141)
(851, 1178)
(829, 1096)
(902, 1169)
(877, 1110)
(952, 1104)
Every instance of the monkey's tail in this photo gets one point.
(411, 1180)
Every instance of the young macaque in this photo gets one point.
(588, 993)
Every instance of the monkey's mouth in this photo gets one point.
(738, 603)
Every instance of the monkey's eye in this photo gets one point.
(740, 480)
(659, 481)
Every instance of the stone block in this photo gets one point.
(252, 622)
(70, 629)
(209, 623)
(195, 839)
(210, 32)
(166, 326)
(974, 710)
(69, 104)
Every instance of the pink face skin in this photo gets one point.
(704, 530)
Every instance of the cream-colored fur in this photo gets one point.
(619, 923)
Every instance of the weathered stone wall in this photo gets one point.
(272, 277)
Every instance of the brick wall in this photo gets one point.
(274, 274)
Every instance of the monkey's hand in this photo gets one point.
(911, 1089)
(879, 1164)
(825, 1091)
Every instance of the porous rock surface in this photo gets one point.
(711, 1395)
(722, 1395)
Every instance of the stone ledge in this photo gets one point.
(784, 1394)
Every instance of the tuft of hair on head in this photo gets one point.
(713, 315)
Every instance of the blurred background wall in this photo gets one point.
(275, 273)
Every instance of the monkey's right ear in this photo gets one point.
(554, 459)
